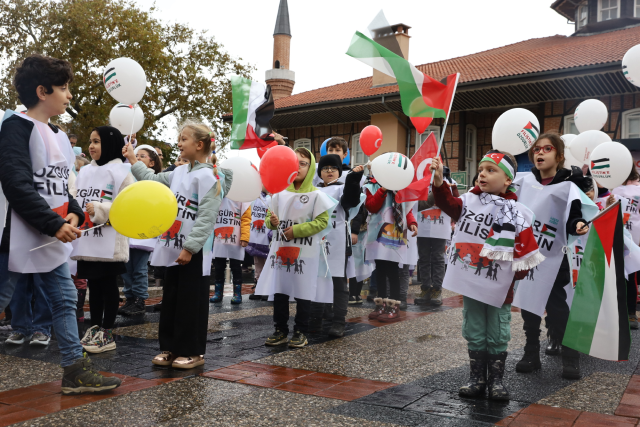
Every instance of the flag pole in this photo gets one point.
(446, 120)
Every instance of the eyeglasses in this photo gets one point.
(329, 169)
(303, 164)
(545, 149)
(142, 156)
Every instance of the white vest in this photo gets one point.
(51, 161)
(630, 214)
(381, 225)
(297, 267)
(468, 273)
(98, 184)
(259, 231)
(336, 240)
(189, 189)
(227, 230)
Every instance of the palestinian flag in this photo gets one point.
(252, 111)
(192, 204)
(63, 210)
(549, 231)
(106, 195)
(598, 322)
(420, 95)
(600, 164)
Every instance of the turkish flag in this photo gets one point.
(419, 187)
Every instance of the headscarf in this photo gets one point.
(112, 142)
(307, 184)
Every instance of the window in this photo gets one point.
(277, 64)
(421, 138)
(607, 9)
(636, 9)
(631, 124)
(357, 155)
(303, 142)
(582, 15)
(471, 153)
(570, 125)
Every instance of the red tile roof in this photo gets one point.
(526, 57)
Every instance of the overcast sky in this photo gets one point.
(322, 30)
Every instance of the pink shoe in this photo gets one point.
(380, 308)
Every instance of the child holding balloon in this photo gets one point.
(102, 252)
(185, 304)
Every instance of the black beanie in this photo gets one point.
(330, 160)
(111, 141)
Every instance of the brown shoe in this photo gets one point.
(380, 308)
(188, 362)
(163, 359)
(392, 313)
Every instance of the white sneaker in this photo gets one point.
(88, 336)
(40, 339)
(16, 338)
(102, 341)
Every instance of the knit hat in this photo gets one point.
(330, 160)
(111, 142)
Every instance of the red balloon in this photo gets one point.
(421, 123)
(262, 150)
(370, 139)
(278, 168)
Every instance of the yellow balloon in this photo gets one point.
(144, 210)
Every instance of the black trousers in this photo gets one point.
(340, 302)
(632, 293)
(557, 310)
(355, 287)
(104, 299)
(388, 270)
(281, 313)
(220, 265)
(185, 309)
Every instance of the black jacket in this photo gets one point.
(575, 213)
(16, 178)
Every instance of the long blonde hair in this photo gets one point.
(203, 133)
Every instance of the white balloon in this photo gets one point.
(567, 138)
(126, 118)
(583, 144)
(515, 131)
(590, 115)
(610, 164)
(393, 171)
(246, 184)
(569, 160)
(125, 80)
(631, 65)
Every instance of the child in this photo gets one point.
(102, 252)
(361, 268)
(387, 245)
(40, 210)
(555, 200)
(185, 303)
(136, 279)
(231, 236)
(497, 236)
(339, 147)
(338, 240)
(259, 238)
(297, 215)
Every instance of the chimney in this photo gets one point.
(396, 39)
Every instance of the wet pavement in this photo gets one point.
(403, 373)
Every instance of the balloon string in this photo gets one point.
(133, 119)
(51, 243)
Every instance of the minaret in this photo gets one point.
(281, 78)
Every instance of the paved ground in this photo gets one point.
(405, 373)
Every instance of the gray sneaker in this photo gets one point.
(82, 378)
(16, 338)
(40, 339)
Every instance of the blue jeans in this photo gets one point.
(25, 320)
(59, 289)
(136, 280)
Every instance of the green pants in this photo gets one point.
(485, 327)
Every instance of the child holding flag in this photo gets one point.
(231, 236)
(185, 302)
(493, 232)
(550, 192)
(338, 239)
(295, 266)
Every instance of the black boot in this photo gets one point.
(477, 376)
(337, 330)
(315, 325)
(531, 359)
(253, 296)
(82, 295)
(553, 346)
(570, 363)
(495, 366)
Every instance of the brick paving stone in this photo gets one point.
(588, 419)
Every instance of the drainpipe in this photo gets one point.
(401, 122)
